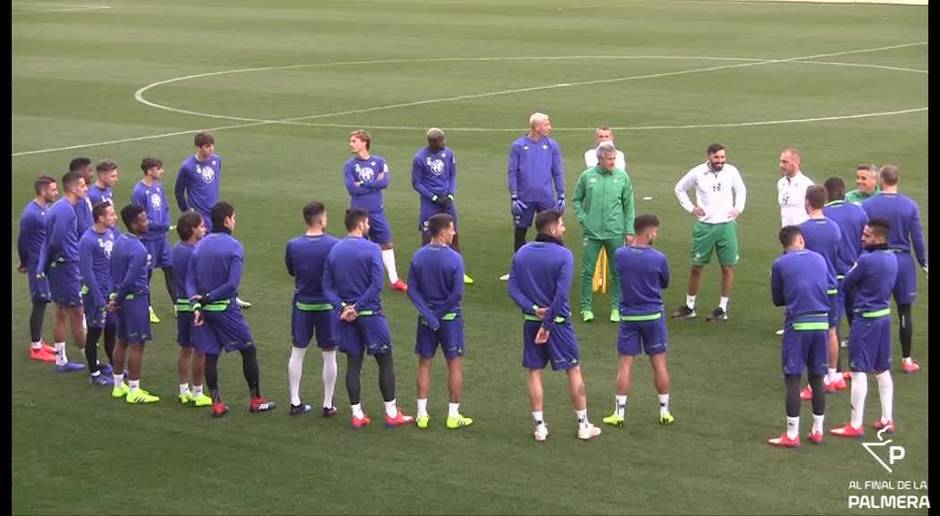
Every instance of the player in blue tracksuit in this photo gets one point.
(903, 216)
(822, 235)
(94, 260)
(365, 177)
(644, 274)
(800, 280)
(212, 279)
(130, 296)
(58, 263)
(190, 363)
(435, 286)
(352, 282)
(539, 283)
(106, 173)
(84, 168)
(851, 218)
(199, 179)
(871, 282)
(29, 244)
(311, 310)
(150, 195)
(434, 177)
(535, 169)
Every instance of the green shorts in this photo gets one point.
(722, 237)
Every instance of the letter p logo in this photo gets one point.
(895, 454)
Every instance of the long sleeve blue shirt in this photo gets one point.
(215, 268)
(179, 257)
(541, 275)
(83, 215)
(799, 280)
(96, 195)
(32, 236)
(363, 184)
(435, 282)
(825, 237)
(94, 262)
(871, 280)
(644, 273)
(534, 168)
(353, 274)
(198, 184)
(434, 173)
(904, 215)
(61, 234)
(305, 257)
(153, 200)
(129, 266)
(851, 219)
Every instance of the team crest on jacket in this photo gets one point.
(156, 201)
(436, 166)
(365, 173)
(106, 245)
(207, 173)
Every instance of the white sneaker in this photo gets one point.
(541, 432)
(778, 332)
(588, 432)
(242, 304)
(504, 277)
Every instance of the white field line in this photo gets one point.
(255, 123)
(138, 95)
(55, 8)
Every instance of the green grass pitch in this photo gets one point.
(286, 80)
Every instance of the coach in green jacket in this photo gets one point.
(603, 202)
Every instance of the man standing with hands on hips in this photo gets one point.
(719, 195)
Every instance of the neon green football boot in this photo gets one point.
(665, 418)
(119, 391)
(458, 421)
(141, 396)
(185, 399)
(422, 421)
(613, 420)
(201, 401)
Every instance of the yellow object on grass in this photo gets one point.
(600, 272)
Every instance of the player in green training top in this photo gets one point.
(866, 181)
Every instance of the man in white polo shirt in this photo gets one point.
(791, 189)
(719, 199)
(603, 134)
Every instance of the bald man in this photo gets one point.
(535, 170)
